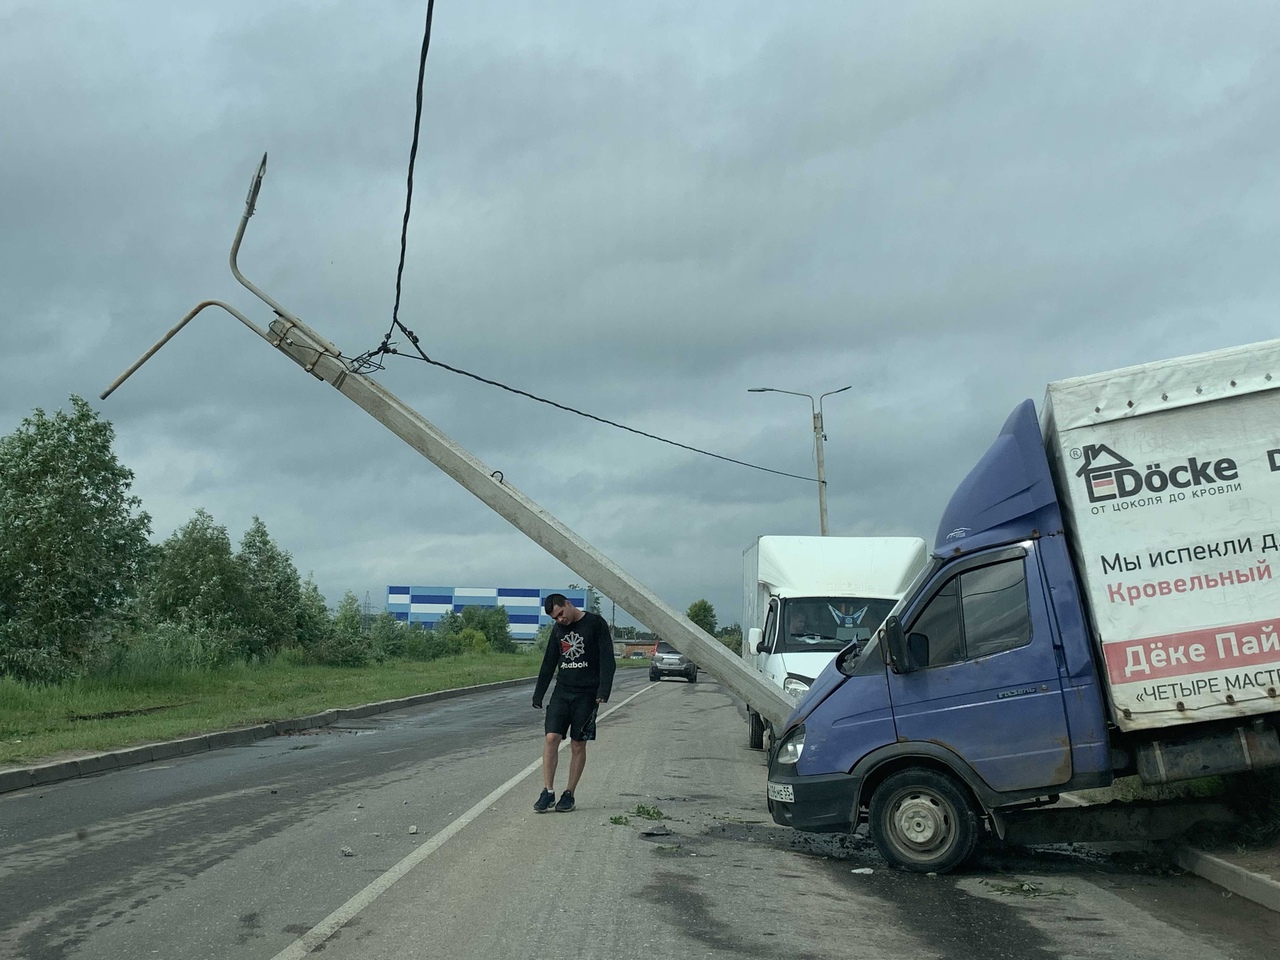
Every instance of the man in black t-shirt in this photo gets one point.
(581, 647)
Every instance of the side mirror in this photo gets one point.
(904, 655)
(755, 639)
(848, 658)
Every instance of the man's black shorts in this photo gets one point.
(572, 712)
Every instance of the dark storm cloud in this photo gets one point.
(640, 211)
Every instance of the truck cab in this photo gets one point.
(913, 729)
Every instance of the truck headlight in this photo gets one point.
(791, 748)
(795, 687)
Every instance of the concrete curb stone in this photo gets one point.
(53, 772)
(133, 756)
(1262, 890)
(166, 750)
(21, 778)
(18, 779)
(98, 763)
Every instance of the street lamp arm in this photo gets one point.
(793, 393)
(778, 390)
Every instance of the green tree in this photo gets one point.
(593, 598)
(449, 625)
(493, 623)
(72, 541)
(446, 636)
(731, 637)
(703, 614)
(196, 580)
(271, 591)
(346, 645)
(542, 637)
(388, 636)
(311, 617)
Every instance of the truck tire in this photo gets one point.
(693, 675)
(755, 730)
(923, 821)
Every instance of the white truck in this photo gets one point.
(804, 599)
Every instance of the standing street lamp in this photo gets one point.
(818, 436)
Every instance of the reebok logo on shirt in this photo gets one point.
(572, 648)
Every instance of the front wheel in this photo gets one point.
(755, 730)
(923, 821)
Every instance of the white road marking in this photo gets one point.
(326, 928)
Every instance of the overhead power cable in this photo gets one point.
(369, 361)
(581, 413)
(413, 157)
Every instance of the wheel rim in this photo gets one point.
(922, 824)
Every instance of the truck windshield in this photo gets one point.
(829, 624)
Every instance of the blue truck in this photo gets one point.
(1098, 603)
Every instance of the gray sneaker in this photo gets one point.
(566, 802)
(545, 800)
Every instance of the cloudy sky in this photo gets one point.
(637, 209)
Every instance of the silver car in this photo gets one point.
(670, 662)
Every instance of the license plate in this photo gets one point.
(782, 792)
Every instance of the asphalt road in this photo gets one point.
(306, 844)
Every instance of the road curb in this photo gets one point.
(22, 778)
(1260, 889)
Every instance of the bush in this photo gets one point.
(731, 637)
(345, 644)
(166, 648)
(388, 637)
(474, 640)
(418, 643)
(493, 623)
(337, 650)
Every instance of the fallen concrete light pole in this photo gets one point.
(323, 360)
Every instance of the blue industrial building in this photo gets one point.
(426, 605)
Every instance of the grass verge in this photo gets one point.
(92, 715)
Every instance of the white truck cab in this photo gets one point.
(807, 598)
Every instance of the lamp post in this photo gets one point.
(818, 436)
